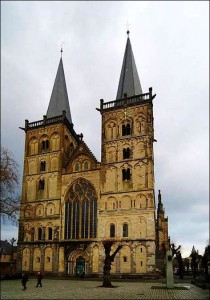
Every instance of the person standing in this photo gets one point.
(24, 281)
(39, 279)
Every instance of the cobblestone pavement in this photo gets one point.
(85, 289)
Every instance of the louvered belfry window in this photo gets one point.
(41, 184)
(126, 174)
(126, 129)
(126, 153)
(81, 211)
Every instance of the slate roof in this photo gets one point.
(59, 99)
(129, 82)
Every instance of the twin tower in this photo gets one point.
(71, 202)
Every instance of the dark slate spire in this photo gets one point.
(160, 204)
(129, 79)
(59, 99)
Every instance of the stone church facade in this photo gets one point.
(71, 202)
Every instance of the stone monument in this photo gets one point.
(169, 270)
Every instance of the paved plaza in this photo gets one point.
(89, 289)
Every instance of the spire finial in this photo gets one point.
(62, 48)
(128, 31)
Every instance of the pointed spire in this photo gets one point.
(59, 99)
(193, 249)
(160, 204)
(159, 196)
(129, 79)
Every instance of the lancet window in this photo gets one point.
(126, 153)
(126, 129)
(42, 166)
(41, 184)
(112, 230)
(39, 233)
(126, 174)
(45, 145)
(125, 230)
(50, 233)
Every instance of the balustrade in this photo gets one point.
(126, 101)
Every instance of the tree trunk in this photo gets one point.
(107, 280)
(107, 262)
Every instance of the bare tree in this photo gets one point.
(10, 199)
(174, 249)
(109, 258)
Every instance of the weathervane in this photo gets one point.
(127, 26)
(62, 48)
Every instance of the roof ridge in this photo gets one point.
(90, 151)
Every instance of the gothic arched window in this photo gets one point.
(76, 168)
(42, 166)
(39, 233)
(81, 210)
(41, 184)
(85, 165)
(125, 230)
(50, 235)
(45, 145)
(112, 230)
(126, 174)
(126, 153)
(126, 129)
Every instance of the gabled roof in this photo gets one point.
(129, 82)
(59, 99)
(81, 149)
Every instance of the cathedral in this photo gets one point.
(71, 202)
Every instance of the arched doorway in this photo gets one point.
(78, 262)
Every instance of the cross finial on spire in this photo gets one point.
(127, 25)
(62, 48)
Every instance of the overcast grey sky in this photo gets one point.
(170, 41)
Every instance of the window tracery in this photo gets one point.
(81, 211)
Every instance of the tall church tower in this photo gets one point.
(49, 144)
(127, 206)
